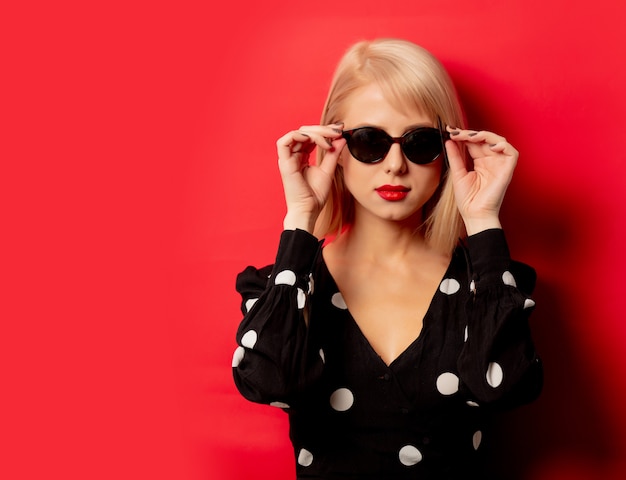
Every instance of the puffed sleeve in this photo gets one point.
(276, 358)
(498, 362)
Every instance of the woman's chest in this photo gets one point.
(422, 372)
(388, 307)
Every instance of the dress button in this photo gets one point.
(384, 377)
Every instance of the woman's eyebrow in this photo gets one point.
(418, 125)
(406, 129)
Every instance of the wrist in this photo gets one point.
(477, 225)
(301, 221)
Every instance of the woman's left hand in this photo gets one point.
(480, 190)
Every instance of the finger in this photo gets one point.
(287, 143)
(304, 140)
(505, 148)
(495, 143)
(303, 143)
(474, 136)
(332, 130)
(295, 142)
(323, 135)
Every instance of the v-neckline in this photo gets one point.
(425, 320)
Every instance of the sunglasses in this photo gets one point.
(422, 145)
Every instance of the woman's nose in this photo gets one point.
(395, 161)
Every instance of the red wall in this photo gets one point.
(140, 176)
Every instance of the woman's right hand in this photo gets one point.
(307, 186)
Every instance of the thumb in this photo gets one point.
(455, 160)
(329, 162)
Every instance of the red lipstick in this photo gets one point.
(393, 193)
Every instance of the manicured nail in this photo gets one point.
(473, 134)
(456, 132)
(304, 134)
(336, 130)
(492, 145)
(330, 143)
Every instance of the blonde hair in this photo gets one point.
(411, 78)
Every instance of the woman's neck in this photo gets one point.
(384, 241)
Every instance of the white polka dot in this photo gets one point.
(508, 279)
(301, 298)
(286, 277)
(476, 439)
(338, 301)
(472, 403)
(466, 333)
(341, 399)
(449, 286)
(529, 303)
(409, 455)
(447, 383)
(473, 286)
(238, 356)
(250, 303)
(279, 405)
(494, 374)
(249, 339)
(305, 458)
(322, 356)
(311, 284)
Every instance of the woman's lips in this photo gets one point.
(393, 193)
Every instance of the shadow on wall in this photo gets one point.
(565, 433)
(566, 425)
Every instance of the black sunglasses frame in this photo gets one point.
(443, 135)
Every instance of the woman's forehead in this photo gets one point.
(373, 105)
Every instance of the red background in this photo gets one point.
(139, 176)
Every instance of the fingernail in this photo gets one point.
(473, 134)
(456, 132)
(330, 143)
(336, 130)
(492, 145)
(338, 123)
(304, 135)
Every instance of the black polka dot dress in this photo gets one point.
(421, 417)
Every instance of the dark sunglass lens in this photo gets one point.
(369, 145)
(422, 146)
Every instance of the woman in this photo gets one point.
(390, 343)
